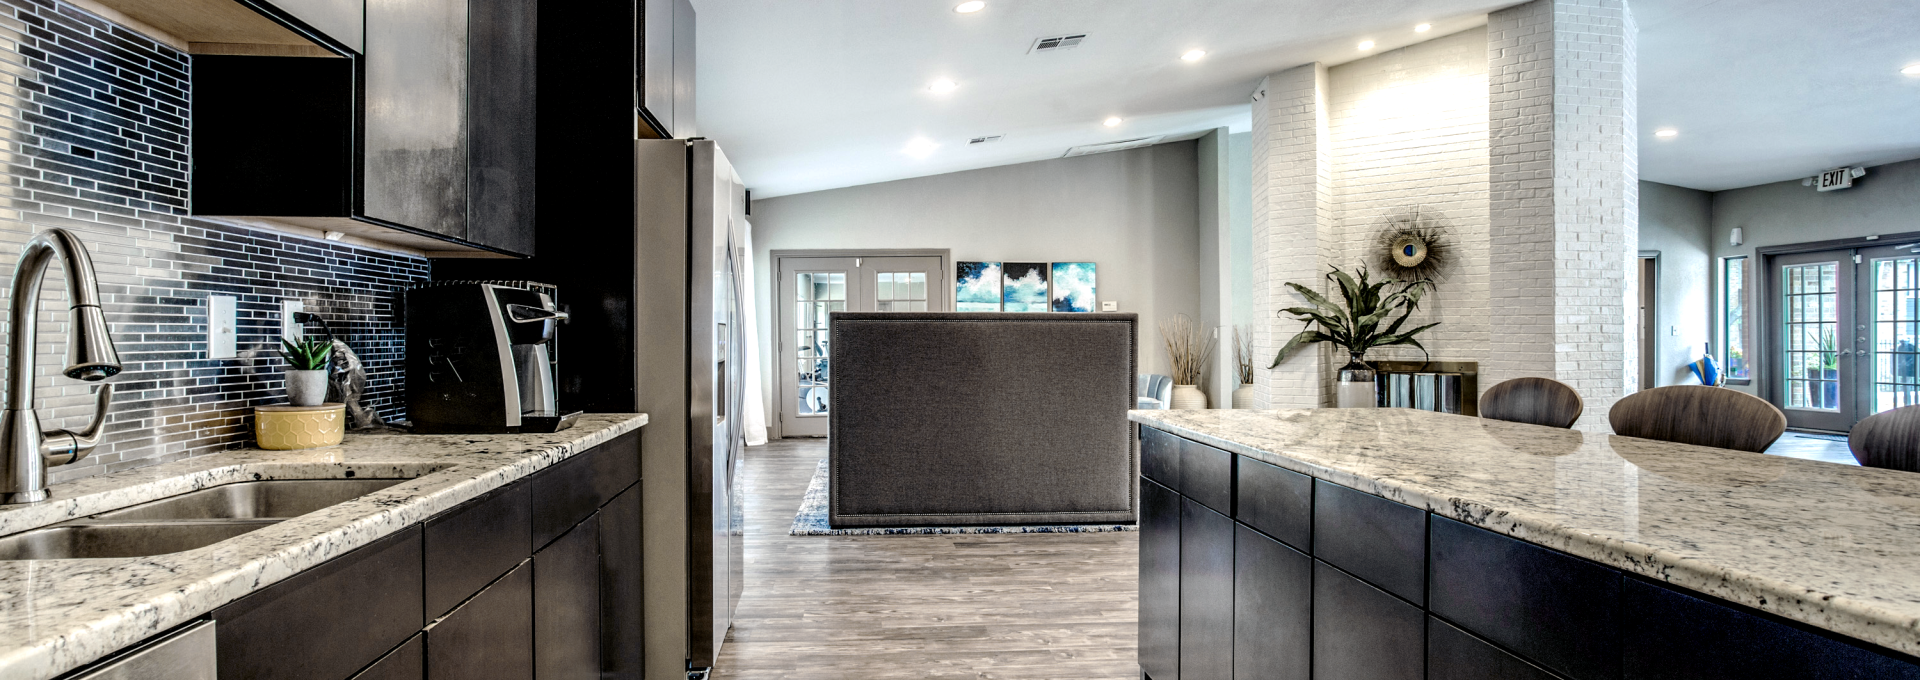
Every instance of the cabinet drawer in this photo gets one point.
(1557, 610)
(472, 544)
(1160, 457)
(1373, 538)
(1159, 581)
(1206, 475)
(1669, 635)
(566, 605)
(1272, 609)
(409, 662)
(563, 495)
(1275, 500)
(490, 637)
(1206, 593)
(1454, 654)
(1362, 633)
(329, 621)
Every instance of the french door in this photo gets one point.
(1845, 333)
(811, 289)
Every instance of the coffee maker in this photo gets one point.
(480, 357)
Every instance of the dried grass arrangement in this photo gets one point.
(1243, 354)
(1187, 347)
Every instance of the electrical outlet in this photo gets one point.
(289, 328)
(1109, 306)
(222, 331)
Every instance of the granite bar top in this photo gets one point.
(57, 615)
(1833, 546)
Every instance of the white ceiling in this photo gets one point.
(807, 95)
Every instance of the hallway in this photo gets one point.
(961, 606)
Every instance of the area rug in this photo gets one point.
(812, 520)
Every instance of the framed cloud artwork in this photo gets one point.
(1024, 287)
(1073, 287)
(976, 287)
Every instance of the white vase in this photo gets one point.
(1243, 396)
(1188, 397)
(1354, 386)
(306, 388)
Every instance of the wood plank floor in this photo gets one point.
(981, 606)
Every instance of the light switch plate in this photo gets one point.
(222, 331)
(289, 328)
(1109, 306)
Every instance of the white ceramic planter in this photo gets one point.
(1188, 397)
(306, 388)
(1243, 396)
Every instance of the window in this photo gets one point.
(1733, 322)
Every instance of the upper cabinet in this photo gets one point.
(412, 126)
(665, 73)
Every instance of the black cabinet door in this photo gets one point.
(1272, 609)
(1453, 654)
(500, 118)
(1160, 457)
(1159, 581)
(1557, 610)
(408, 662)
(341, 20)
(1206, 593)
(490, 637)
(1206, 475)
(621, 618)
(1363, 633)
(473, 543)
(566, 606)
(327, 622)
(1373, 538)
(1668, 635)
(563, 496)
(1277, 501)
(414, 117)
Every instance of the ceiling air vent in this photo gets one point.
(985, 140)
(1057, 43)
(1122, 145)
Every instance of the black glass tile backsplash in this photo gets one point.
(95, 141)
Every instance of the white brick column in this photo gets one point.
(1564, 228)
(1292, 227)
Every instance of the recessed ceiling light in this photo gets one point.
(920, 147)
(1666, 133)
(1113, 121)
(1912, 70)
(943, 86)
(970, 7)
(1194, 55)
(1422, 28)
(1366, 44)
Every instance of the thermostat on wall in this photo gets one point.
(1109, 306)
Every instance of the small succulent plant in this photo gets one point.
(306, 354)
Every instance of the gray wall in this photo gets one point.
(1678, 222)
(1135, 213)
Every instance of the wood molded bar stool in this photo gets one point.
(1700, 415)
(1890, 439)
(1536, 401)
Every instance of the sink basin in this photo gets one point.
(131, 539)
(276, 499)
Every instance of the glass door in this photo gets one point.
(1814, 340)
(1891, 342)
(810, 290)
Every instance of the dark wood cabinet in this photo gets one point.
(566, 605)
(1373, 538)
(622, 617)
(1206, 593)
(1160, 457)
(415, 137)
(1454, 654)
(406, 662)
(1668, 635)
(1556, 609)
(1364, 633)
(489, 637)
(1159, 581)
(328, 622)
(474, 543)
(1276, 501)
(1272, 609)
(1206, 475)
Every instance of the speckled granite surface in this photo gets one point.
(1836, 547)
(56, 615)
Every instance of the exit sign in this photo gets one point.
(1836, 179)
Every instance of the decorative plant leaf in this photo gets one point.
(1355, 325)
(1303, 338)
(306, 354)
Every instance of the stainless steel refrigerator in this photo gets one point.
(692, 219)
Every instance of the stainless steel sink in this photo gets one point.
(276, 499)
(120, 539)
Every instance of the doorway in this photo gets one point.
(811, 285)
(1842, 331)
(1649, 319)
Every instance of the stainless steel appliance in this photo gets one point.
(692, 216)
(479, 357)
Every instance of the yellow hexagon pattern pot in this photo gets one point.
(284, 428)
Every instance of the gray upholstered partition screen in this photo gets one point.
(943, 418)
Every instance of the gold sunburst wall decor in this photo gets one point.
(1414, 246)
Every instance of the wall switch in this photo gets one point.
(1109, 306)
(1673, 330)
(289, 328)
(222, 331)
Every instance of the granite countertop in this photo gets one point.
(56, 615)
(1833, 546)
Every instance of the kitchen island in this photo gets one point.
(457, 529)
(1393, 543)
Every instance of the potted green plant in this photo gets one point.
(1360, 323)
(307, 363)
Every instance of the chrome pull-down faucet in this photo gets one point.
(91, 357)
